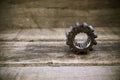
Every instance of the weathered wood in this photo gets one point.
(61, 73)
(25, 18)
(60, 13)
(36, 29)
(47, 46)
(55, 34)
(66, 4)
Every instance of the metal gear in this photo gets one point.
(81, 47)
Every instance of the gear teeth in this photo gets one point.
(91, 28)
(85, 24)
(67, 42)
(95, 35)
(95, 43)
(71, 28)
(81, 47)
(77, 24)
(83, 52)
(67, 33)
(91, 49)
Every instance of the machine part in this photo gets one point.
(86, 45)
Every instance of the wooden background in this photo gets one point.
(34, 31)
(58, 13)
(32, 35)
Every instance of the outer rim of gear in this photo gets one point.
(84, 28)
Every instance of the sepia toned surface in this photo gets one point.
(48, 46)
(61, 73)
(58, 13)
(33, 42)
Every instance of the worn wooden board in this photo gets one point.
(65, 4)
(36, 47)
(55, 34)
(34, 31)
(60, 73)
(58, 13)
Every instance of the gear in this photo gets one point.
(81, 47)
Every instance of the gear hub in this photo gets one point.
(86, 45)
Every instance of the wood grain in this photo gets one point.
(60, 13)
(37, 47)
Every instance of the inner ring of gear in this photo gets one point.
(81, 47)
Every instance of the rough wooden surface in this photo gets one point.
(32, 35)
(60, 73)
(58, 13)
(55, 34)
(36, 47)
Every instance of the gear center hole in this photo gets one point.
(82, 40)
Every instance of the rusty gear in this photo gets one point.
(81, 47)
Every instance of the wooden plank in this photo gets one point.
(72, 4)
(54, 34)
(60, 13)
(35, 17)
(57, 53)
(48, 47)
(59, 73)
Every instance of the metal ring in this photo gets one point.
(81, 47)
